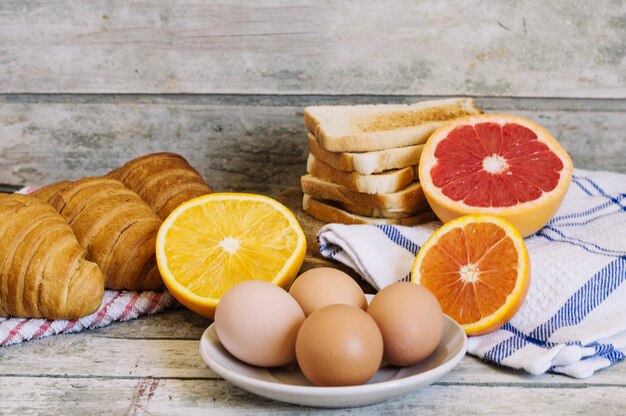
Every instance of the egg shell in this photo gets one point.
(323, 286)
(339, 345)
(410, 320)
(258, 323)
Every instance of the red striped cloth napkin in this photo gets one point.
(116, 307)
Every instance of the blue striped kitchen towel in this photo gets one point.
(573, 320)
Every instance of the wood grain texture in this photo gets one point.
(86, 86)
(80, 396)
(107, 353)
(257, 147)
(560, 48)
(152, 366)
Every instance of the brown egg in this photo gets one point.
(258, 322)
(323, 286)
(339, 345)
(410, 320)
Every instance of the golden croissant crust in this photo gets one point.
(117, 228)
(46, 193)
(163, 180)
(43, 270)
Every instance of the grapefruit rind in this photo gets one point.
(206, 306)
(528, 217)
(515, 298)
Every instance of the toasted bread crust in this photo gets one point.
(326, 212)
(408, 200)
(366, 128)
(379, 183)
(367, 163)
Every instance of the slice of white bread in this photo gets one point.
(367, 211)
(367, 163)
(407, 201)
(378, 183)
(367, 128)
(328, 213)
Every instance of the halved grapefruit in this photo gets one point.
(495, 164)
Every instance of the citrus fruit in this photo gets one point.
(209, 244)
(495, 164)
(478, 269)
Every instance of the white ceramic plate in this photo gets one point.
(289, 385)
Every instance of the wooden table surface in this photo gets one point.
(86, 86)
(152, 365)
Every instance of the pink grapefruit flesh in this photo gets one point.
(495, 164)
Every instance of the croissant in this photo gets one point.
(43, 271)
(116, 227)
(163, 180)
(46, 193)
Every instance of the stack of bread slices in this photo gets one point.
(362, 166)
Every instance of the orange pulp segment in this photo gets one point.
(211, 243)
(477, 266)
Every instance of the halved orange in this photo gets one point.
(495, 164)
(477, 266)
(210, 243)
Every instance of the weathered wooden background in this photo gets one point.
(85, 86)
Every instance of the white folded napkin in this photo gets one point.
(573, 320)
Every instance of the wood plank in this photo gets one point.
(552, 49)
(146, 348)
(246, 147)
(182, 324)
(79, 396)
(85, 354)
